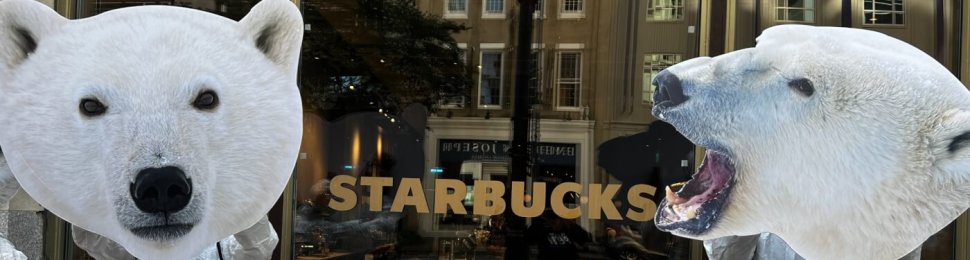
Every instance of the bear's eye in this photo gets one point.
(206, 100)
(803, 86)
(92, 107)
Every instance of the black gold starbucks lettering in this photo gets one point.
(487, 198)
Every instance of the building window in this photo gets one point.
(494, 9)
(456, 101)
(569, 79)
(652, 65)
(456, 9)
(665, 10)
(572, 6)
(796, 10)
(571, 9)
(883, 11)
(539, 10)
(490, 80)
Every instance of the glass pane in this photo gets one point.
(884, 18)
(568, 93)
(495, 6)
(796, 15)
(388, 93)
(868, 17)
(572, 5)
(456, 5)
(884, 5)
(491, 78)
(569, 65)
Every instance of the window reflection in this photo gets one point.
(392, 91)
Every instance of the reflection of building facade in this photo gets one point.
(452, 143)
(595, 61)
(566, 81)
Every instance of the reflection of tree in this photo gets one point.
(371, 55)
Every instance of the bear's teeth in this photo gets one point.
(673, 198)
(691, 212)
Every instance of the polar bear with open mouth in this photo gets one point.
(846, 143)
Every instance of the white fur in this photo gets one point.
(147, 64)
(859, 170)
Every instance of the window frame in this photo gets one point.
(491, 48)
(786, 9)
(653, 7)
(865, 17)
(566, 14)
(449, 14)
(491, 15)
(647, 88)
(578, 81)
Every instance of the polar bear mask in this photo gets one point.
(163, 128)
(846, 143)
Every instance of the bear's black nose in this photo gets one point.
(161, 190)
(669, 92)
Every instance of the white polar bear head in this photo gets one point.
(847, 143)
(163, 128)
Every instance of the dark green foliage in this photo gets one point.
(389, 51)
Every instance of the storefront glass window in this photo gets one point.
(411, 109)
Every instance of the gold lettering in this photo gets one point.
(489, 191)
(556, 200)
(538, 201)
(410, 193)
(443, 200)
(347, 197)
(633, 197)
(376, 185)
(601, 201)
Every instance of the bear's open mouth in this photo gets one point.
(696, 207)
(162, 232)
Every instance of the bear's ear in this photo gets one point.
(23, 24)
(276, 28)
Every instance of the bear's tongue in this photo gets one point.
(713, 177)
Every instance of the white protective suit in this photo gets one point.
(256, 242)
